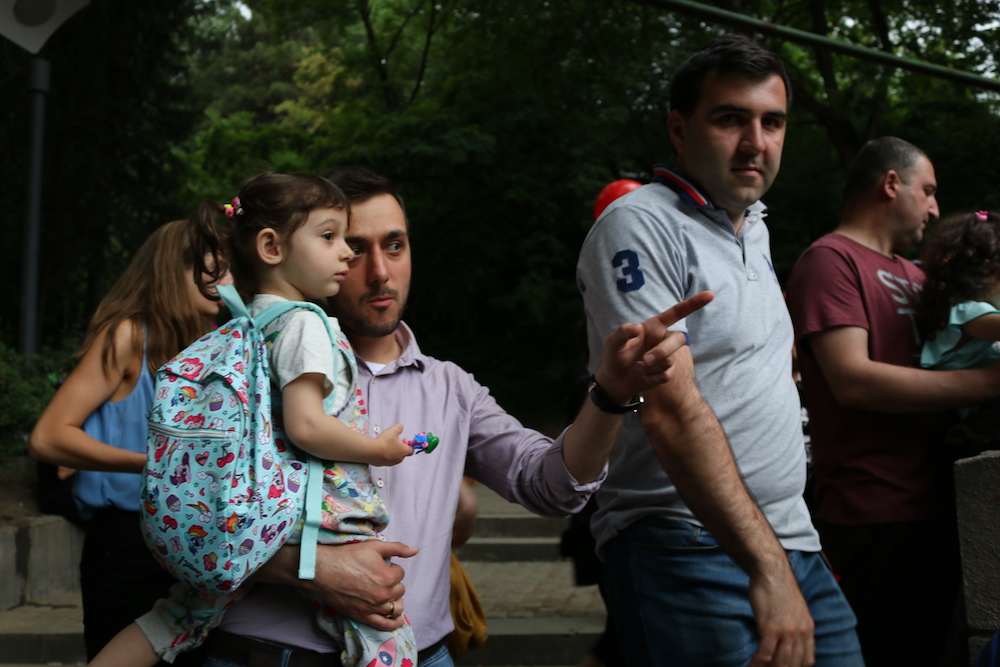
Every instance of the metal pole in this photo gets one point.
(821, 41)
(38, 88)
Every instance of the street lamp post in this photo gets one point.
(38, 88)
(29, 24)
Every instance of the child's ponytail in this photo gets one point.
(209, 247)
(281, 202)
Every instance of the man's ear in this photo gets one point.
(675, 128)
(890, 184)
(269, 247)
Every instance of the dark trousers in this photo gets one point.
(119, 579)
(902, 580)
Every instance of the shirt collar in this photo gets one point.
(754, 216)
(683, 187)
(410, 356)
(687, 191)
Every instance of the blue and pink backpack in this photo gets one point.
(222, 489)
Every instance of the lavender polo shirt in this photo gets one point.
(478, 439)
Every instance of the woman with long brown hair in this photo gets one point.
(97, 419)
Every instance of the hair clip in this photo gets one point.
(982, 216)
(233, 209)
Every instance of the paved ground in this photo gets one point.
(528, 589)
(532, 589)
(512, 590)
(525, 601)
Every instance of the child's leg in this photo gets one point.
(363, 645)
(129, 648)
(352, 511)
(182, 621)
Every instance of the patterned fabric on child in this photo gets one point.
(351, 509)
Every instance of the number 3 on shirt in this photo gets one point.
(632, 278)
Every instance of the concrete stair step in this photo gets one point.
(508, 532)
(536, 642)
(506, 549)
(45, 632)
(519, 525)
(536, 616)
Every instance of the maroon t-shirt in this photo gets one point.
(870, 467)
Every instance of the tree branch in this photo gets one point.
(374, 55)
(402, 26)
(431, 29)
(824, 59)
(881, 25)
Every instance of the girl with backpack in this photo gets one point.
(286, 242)
(96, 422)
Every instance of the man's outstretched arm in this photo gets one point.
(695, 453)
(859, 382)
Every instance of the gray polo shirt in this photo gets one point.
(650, 249)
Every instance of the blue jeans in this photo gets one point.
(440, 658)
(678, 599)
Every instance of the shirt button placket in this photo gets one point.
(375, 429)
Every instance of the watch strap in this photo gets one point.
(603, 403)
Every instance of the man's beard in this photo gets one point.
(360, 326)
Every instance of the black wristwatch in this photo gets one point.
(605, 404)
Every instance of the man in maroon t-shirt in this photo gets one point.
(884, 503)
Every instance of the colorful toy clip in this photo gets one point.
(423, 442)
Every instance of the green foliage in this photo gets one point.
(230, 149)
(856, 100)
(958, 135)
(234, 65)
(499, 121)
(26, 385)
(499, 158)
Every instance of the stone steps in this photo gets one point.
(41, 621)
(45, 632)
(536, 616)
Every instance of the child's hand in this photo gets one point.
(389, 449)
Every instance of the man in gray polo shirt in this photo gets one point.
(697, 572)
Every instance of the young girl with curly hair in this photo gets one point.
(959, 316)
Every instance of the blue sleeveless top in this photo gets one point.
(121, 424)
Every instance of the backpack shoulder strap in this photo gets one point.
(312, 517)
(233, 302)
(314, 477)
